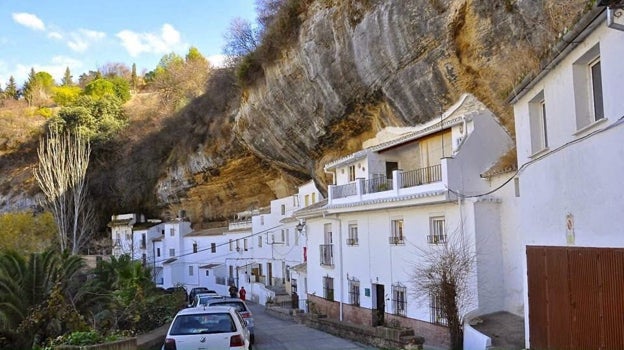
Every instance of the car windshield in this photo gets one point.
(237, 305)
(203, 324)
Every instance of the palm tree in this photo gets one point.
(26, 288)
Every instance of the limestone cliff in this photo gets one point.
(361, 65)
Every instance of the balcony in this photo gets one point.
(431, 178)
(436, 239)
(327, 254)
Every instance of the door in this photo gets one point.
(379, 305)
(269, 274)
(390, 167)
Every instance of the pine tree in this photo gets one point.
(28, 89)
(11, 89)
(67, 78)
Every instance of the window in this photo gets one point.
(328, 288)
(596, 89)
(538, 124)
(231, 245)
(588, 97)
(144, 259)
(143, 241)
(296, 237)
(171, 252)
(207, 273)
(213, 247)
(399, 300)
(327, 229)
(190, 270)
(437, 230)
(313, 198)
(259, 241)
(306, 200)
(245, 244)
(283, 236)
(283, 209)
(287, 240)
(158, 252)
(354, 292)
(194, 247)
(396, 236)
(437, 315)
(351, 173)
(172, 232)
(353, 234)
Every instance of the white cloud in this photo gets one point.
(29, 20)
(82, 39)
(167, 41)
(55, 35)
(56, 68)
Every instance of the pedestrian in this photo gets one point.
(242, 293)
(232, 291)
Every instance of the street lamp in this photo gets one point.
(300, 227)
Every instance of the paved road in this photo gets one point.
(276, 334)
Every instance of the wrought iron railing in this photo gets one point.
(377, 184)
(435, 239)
(343, 191)
(396, 240)
(327, 254)
(421, 176)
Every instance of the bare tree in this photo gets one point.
(443, 272)
(241, 38)
(61, 175)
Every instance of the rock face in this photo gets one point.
(359, 66)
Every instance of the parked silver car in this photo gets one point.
(202, 298)
(208, 328)
(240, 306)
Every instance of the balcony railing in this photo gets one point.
(435, 239)
(352, 241)
(395, 240)
(343, 191)
(377, 184)
(327, 254)
(421, 176)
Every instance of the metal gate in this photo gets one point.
(576, 297)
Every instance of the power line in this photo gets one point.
(618, 122)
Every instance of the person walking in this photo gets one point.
(232, 291)
(242, 293)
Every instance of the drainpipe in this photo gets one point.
(341, 265)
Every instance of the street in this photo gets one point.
(276, 334)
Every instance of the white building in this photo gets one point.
(571, 155)
(407, 191)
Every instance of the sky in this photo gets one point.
(85, 35)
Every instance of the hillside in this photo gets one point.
(356, 67)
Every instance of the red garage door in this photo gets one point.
(576, 297)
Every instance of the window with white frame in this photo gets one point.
(396, 232)
(354, 292)
(435, 305)
(351, 173)
(259, 241)
(353, 234)
(283, 209)
(306, 200)
(328, 288)
(190, 268)
(588, 97)
(538, 123)
(437, 230)
(172, 232)
(171, 252)
(399, 299)
(313, 198)
(231, 245)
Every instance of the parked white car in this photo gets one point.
(209, 328)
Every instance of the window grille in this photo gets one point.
(399, 299)
(328, 288)
(437, 230)
(396, 236)
(437, 314)
(353, 234)
(354, 292)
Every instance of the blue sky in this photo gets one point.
(85, 35)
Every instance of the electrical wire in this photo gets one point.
(618, 122)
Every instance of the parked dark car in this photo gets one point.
(177, 289)
(197, 290)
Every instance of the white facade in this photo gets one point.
(570, 149)
(405, 192)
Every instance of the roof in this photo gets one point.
(568, 42)
(122, 222)
(465, 108)
(170, 260)
(209, 266)
(217, 231)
